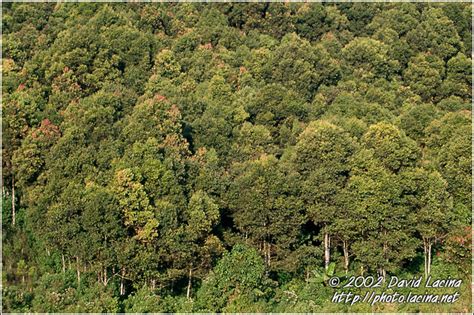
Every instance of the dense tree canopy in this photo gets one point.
(231, 157)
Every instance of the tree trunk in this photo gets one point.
(106, 280)
(427, 244)
(425, 255)
(429, 257)
(78, 270)
(188, 291)
(64, 263)
(266, 254)
(269, 249)
(122, 286)
(13, 200)
(327, 253)
(385, 249)
(345, 248)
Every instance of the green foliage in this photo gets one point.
(424, 75)
(415, 118)
(436, 33)
(240, 272)
(391, 146)
(458, 77)
(202, 214)
(145, 144)
(368, 58)
(143, 301)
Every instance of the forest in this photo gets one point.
(232, 157)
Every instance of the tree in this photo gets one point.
(391, 147)
(354, 106)
(264, 207)
(239, 273)
(201, 215)
(458, 77)
(424, 75)
(459, 15)
(138, 214)
(215, 125)
(143, 300)
(21, 113)
(367, 58)
(401, 18)
(313, 20)
(321, 159)
(435, 34)
(426, 195)
(415, 118)
(455, 166)
(385, 235)
(29, 159)
(307, 66)
(157, 120)
(448, 146)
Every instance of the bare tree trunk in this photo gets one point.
(385, 249)
(122, 286)
(13, 200)
(265, 245)
(188, 291)
(427, 245)
(78, 270)
(327, 253)
(64, 263)
(265, 253)
(429, 257)
(425, 254)
(269, 249)
(3, 187)
(345, 248)
(106, 280)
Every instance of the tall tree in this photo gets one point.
(425, 193)
(264, 207)
(321, 159)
